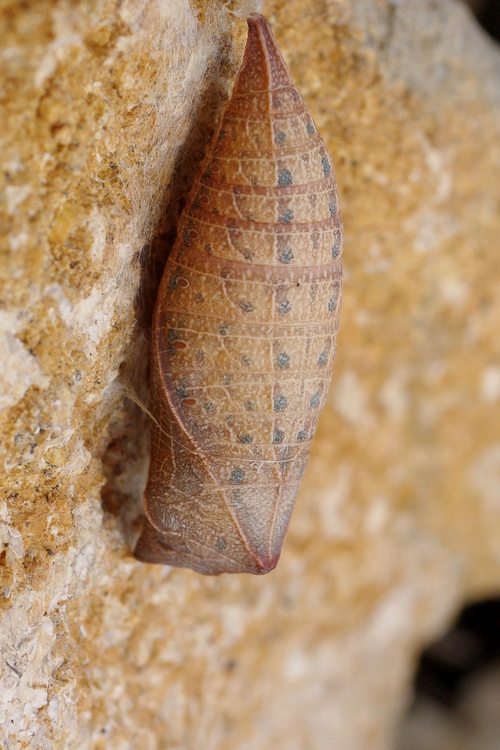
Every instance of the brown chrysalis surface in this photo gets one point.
(244, 330)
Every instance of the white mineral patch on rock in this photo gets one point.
(19, 369)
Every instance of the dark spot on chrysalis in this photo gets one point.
(220, 544)
(301, 436)
(284, 307)
(245, 439)
(246, 307)
(245, 360)
(237, 476)
(280, 137)
(322, 359)
(250, 405)
(181, 391)
(283, 360)
(286, 217)
(280, 402)
(284, 178)
(286, 255)
(278, 436)
(332, 305)
(333, 209)
(210, 408)
(336, 249)
(326, 166)
(223, 329)
(310, 128)
(315, 401)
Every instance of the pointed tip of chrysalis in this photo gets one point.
(256, 18)
(265, 565)
(263, 67)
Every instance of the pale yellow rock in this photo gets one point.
(106, 110)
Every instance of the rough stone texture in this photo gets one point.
(107, 107)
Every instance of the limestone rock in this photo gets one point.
(106, 110)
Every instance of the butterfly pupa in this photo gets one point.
(244, 329)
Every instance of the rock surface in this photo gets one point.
(473, 724)
(107, 109)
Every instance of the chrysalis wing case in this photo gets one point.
(244, 330)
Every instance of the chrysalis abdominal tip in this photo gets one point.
(244, 330)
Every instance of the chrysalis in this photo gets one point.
(244, 330)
